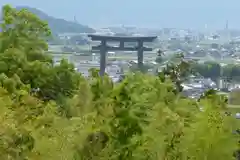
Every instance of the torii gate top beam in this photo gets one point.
(121, 38)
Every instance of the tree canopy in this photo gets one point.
(215, 70)
(51, 112)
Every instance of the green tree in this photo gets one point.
(23, 53)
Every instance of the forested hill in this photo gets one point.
(59, 25)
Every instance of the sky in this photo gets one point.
(144, 13)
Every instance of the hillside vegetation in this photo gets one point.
(59, 25)
(51, 112)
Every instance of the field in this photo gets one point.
(234, 108)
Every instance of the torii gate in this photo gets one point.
(104, 48)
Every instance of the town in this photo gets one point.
(222, 47)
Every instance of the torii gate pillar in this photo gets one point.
(103, 53)
(140, 50)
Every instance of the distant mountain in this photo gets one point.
(59, 25)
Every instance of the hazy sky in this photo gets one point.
(149, 13)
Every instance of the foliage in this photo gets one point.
(58, 25)
(52, 112)
(159, 58)
(214, 70)
(234, 97)
(177, 72)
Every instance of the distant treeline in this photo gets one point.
(214, 70)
